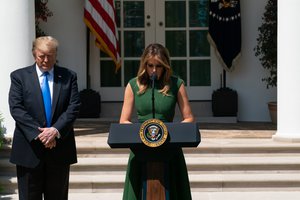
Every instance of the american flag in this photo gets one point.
(100, 18)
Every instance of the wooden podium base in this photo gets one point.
(155, 181)
(155, 162)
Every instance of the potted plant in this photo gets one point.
(266, 49)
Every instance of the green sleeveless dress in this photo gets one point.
(179, 187)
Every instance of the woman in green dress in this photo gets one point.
(169, 90)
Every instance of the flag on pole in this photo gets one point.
(224, 32)
(100, 18)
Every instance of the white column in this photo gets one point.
(16, 36)
(288, 125)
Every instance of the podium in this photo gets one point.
(154, 158)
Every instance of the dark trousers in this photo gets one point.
(48, 180)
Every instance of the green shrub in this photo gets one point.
(266, 48)
(2, 130)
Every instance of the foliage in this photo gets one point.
(2, 130)
(266, 48)
(42, 13)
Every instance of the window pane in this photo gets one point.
(198, 16)
(179, 69)
(109, 78)
(130, 70)
(175, 13)
(134, 43)
(199, 45)
(200, 73)
(133, 14)
(176, 43)
(118, 13)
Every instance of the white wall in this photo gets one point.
(246, 78)
(68, 27)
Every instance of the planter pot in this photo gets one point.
(224, 103)
(273, 111)
(90, 104)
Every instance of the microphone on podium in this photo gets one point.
(153, 77)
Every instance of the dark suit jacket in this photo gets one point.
(27, 109)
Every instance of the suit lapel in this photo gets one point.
(56, 87)
(36, 86)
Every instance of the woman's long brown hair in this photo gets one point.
(161, 54)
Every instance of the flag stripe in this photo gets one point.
(107, 36)
(107, 13)
(100, 24)
(99, 16)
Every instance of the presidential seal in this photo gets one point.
(153, 133)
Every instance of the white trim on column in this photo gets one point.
(16, 36)
(288, 125)
(286, 137)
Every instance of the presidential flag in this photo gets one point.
(100, 18)
(224, 32)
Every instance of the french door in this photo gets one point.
(179, 25)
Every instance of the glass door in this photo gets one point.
(185, 35)
(180, 25)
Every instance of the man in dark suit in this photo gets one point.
(43, 147)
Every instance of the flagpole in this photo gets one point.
(224, 78)
(88, 58)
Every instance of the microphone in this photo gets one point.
(153, 76)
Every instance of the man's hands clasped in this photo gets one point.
(47, 136)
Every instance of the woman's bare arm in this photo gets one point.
(127, 105)
(184, 105)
